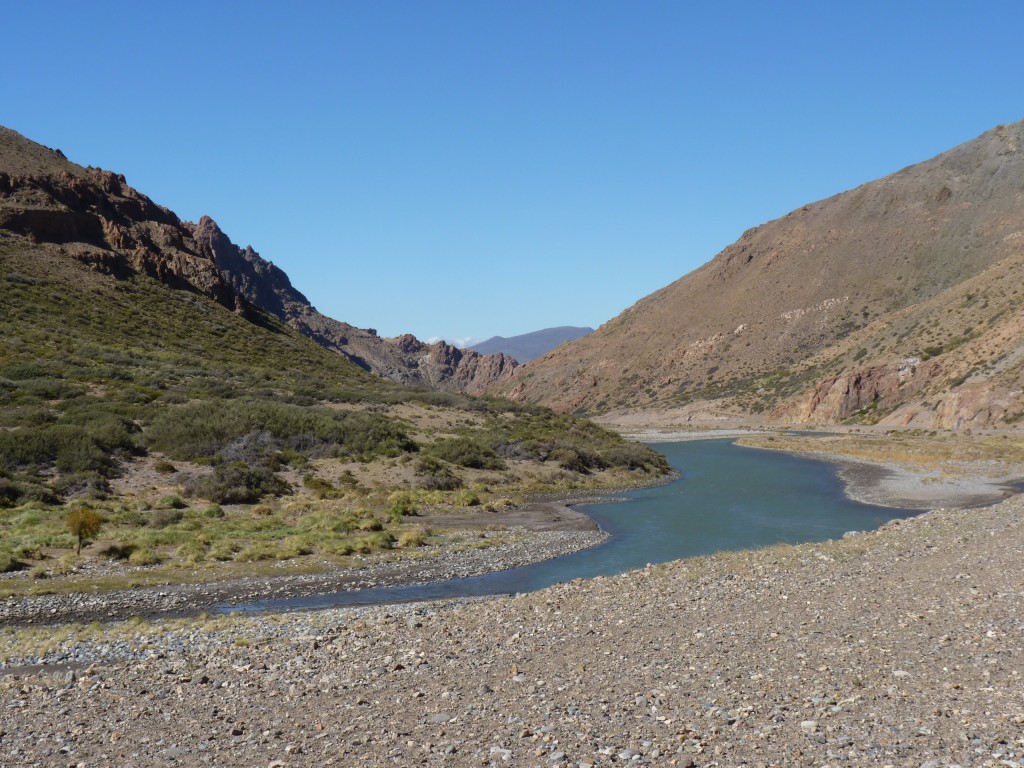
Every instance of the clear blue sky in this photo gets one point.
(466, 169)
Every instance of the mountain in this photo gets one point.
(898, 302)
(405, 359)
(115, 228)
(529, 346)
(121, 336)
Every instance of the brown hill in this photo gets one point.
(897, 302)
(101, 221)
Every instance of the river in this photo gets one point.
(726, 498)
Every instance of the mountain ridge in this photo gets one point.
(104, 223)
(772, 328)
(529, 346)
(403, 359)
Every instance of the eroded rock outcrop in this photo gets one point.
(404, 359)
(100, 220)
(95, 217)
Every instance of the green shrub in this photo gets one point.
(259, 428)
(117, 551)
(367, 544)
(132, 518)
(10, 493)
(241, 484)
(636, 456)
(467, 498)
(214, 510)
(255, 553)
(191, 551)
(295, 546)
(402, 504)
(569, 459)
(465, 451)
(435, 475)
(415, 537)
(84, 523)
(223, 551)
(173, 501)
(8, 562)
(322, 488)
(144, 556)
(161, 518)
(164, 467)
(89, 484)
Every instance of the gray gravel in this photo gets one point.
(902, 647)
(441, 564)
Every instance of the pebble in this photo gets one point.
(699, 662)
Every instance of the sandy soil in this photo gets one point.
(896, 486)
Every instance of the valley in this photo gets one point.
(183, 435)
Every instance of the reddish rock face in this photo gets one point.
(102, 221)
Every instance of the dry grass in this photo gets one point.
(949, 453)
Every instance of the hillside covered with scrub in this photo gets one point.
(135, 381)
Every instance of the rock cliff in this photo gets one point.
(99, 220)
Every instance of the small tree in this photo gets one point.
(84, 523)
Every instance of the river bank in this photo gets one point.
(542, 531)
(897, 647)
(931, 470)
(889, 483)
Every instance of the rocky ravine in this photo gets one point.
(404, 359)
(902, 647)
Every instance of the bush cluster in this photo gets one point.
(205, 429)
(239, 484)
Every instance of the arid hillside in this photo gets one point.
(896, 302)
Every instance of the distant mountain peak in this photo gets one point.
(529, 346)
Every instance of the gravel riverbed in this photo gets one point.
(527, 547)
(901, 647)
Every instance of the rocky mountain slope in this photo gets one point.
(898, 302)
(530, 346)
(120, 336)
(101, 221)
(97, 219)
(404, 359)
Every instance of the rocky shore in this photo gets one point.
(901, 647)
(528, 546)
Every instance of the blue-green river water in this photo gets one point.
(726, 498)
